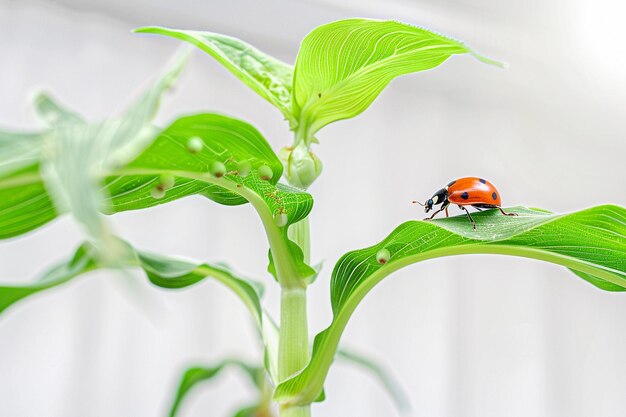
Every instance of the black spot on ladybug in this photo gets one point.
(451, 183)
(482, 180)
(494, 196)
(465, 196)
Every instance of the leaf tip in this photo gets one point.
(489, 61)
(148, 29)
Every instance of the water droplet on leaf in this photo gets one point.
(195, 144)
(243, 168)
(218, 169)
(280, 219)
(157, 192)
(382, 256)
(265, 173)
(167, 181)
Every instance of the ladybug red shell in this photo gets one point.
(471, 191)
(468, 191)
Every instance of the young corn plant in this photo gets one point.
(87, 169)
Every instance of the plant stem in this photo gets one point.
(293, 346)
(301, 411)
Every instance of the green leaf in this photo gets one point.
(24, 202)
(222, 139)
(591, 242)
(83, 261)
(305, 271)
(194, 376)
(230, 142)
(267, 76)
(162, 271)
(387, 380)
(343, 66)
(183, 154)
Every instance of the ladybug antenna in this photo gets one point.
(417, 202)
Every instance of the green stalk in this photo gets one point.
(293, 346)
(303, 411)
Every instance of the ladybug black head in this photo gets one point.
(440, 197)
(428, 206)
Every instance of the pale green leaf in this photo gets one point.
(18, 151)
(343, 66)
(194, 376)
(83, 261)
(267, 76)
(591, 242)
(76, 155)
(162, 271)
(386, 379)
(51, 113)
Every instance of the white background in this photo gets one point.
(471, 336)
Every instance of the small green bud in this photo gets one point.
(265, 173)
(302, 167)
(382, 256)
(243, 168)
(158, 192)
(195, 144)
(218, 169)
(167, 181)
(280, 219)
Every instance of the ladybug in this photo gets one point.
(467, 191)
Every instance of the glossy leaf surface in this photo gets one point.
(591, 242)
(343, 66)
(267, 76)
(380, 373)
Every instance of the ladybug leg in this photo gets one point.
(469, 216)
(447, 212)
(505, 213)
(435, 213)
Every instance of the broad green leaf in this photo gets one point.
(232, 143)
(222, 139)
(24, 202)
(179, 163)
(591, 242)
(343, 66)
(267, 76)
(194, 376)
(387, 380)
(162, 271)
(76, 154)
